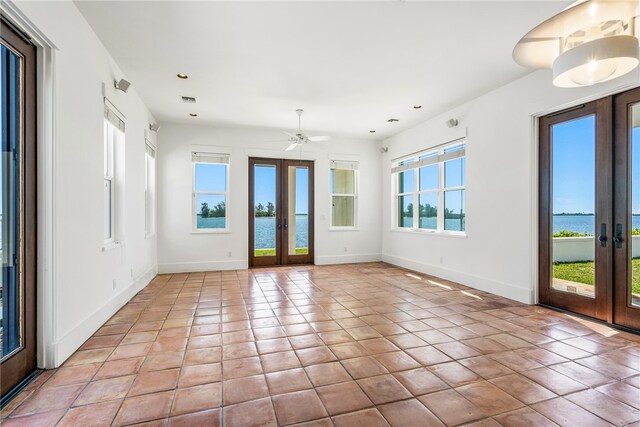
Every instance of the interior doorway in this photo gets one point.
(281, 212)
(589, 201)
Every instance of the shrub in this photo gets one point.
(565, 233)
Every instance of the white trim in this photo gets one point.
(502, 289)
(347, 259)
(72, 340)
(46, 317)
(298, 154)
(192, 267)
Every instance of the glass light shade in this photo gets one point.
(596, 61)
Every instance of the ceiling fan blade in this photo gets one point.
(290, 135)
(292, 146)
(319, 138)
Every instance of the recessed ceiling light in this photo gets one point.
(393, 120)
(372, 131)
(193, 114)
(417, 107)
(182, 76)
(189, 99)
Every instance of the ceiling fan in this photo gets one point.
(300, 138)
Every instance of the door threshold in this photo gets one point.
(592, 319)
(19, 387)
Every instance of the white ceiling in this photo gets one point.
(350, 65)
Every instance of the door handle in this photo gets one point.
(279, 224)
(285, 223)
(618, 237)
(602, 238)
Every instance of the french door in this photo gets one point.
(17, 209)
(589, 209)
(281, 227)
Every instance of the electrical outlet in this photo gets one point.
(345, 249)
(132, 273)
(114, 283)
(230, 254)
(441, 260)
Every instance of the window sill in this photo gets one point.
(212, 231)
(455, 234)
(111, 246)
(332, 229)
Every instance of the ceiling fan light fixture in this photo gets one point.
(596, 61)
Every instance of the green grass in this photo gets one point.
(272, 252)
(583, 272)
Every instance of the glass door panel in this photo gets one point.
(264, 208)
(17, 209)
(575, 210)
(298, 212)
(10, 222)
(633, 285)
(297, 221)
(573, 206)
(626, 292)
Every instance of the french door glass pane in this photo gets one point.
(298, 215)
(405, 211)
(265, 203)
(429, 211)
(573, 206)
(454, 210)
(10, 219)
(634, 287)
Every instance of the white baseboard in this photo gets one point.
(347, 259)
(502, 289)
(192, 267)
(69, 343)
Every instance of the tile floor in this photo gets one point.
(353, 345)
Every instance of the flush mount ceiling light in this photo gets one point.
(589, 42)
(182, 76)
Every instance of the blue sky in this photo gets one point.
(574, 167)
(265, 187)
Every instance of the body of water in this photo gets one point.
(454, 224)
(582, 223)
(265, 232)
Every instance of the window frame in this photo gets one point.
(356, 182)
(194, 194)
(150, 226)
(440, 191)
(109, 174)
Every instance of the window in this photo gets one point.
(149, 190)
(210, 183)
(430, 190)
(113, 132)
(343, 188)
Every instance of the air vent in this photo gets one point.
(189, 99)
(393, 120)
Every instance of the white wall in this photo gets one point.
(81, 290)
(181, 250)
(498, 254)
